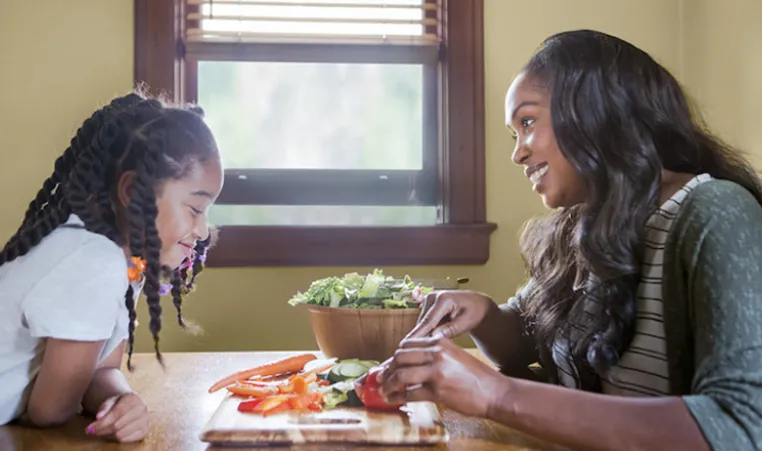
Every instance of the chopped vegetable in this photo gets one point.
(313, 387)
(249, 390)
(350, 369)
(367, 389)
(355, 291)
(248, 406)
(287, 365)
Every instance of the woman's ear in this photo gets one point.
(124, 188)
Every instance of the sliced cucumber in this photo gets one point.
(350, 369)
(347, 370)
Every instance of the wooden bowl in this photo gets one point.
(367, 334)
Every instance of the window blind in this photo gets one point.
(405, 22)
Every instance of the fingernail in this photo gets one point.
(90, 429)
(99, 414)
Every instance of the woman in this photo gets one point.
(643, 302)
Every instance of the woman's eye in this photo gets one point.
(526, 122)
(196, 212)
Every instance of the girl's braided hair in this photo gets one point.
(133, 133)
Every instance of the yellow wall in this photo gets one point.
(61, 61)
(723, 68)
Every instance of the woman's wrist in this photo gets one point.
(492, 310)
(502, 406)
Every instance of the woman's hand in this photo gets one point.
(435, 369)
(451, 313)
(124, 418)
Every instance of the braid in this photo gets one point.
(144, 238)
(63, 166)
(177, 295)
(129, 300)
(152, 246)
(199, 260)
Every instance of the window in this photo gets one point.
(352, 131)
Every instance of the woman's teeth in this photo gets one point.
(537, 175)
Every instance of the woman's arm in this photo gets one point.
(574, 418)
(497, 330)
(501, 337)
(590, 421)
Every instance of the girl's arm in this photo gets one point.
(108, 381)
(65, 374)
(70, 376)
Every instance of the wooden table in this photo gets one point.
(180, 406)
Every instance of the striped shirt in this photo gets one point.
(642, 370)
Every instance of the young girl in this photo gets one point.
(125, 208)
(643, 303)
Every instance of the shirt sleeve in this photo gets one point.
(80, 298)
(722, 252)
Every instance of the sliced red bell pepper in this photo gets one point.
(248, 406)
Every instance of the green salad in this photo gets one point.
(370, 291)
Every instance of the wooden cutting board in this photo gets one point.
(417, 423)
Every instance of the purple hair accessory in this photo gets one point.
(165, 289)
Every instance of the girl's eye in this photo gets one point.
(196, 212)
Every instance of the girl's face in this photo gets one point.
(527, 114)
(183, 206)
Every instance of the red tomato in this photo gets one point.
(367, 389)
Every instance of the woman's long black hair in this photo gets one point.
(132, 133)
(619, 118)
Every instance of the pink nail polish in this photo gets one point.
(90, 429)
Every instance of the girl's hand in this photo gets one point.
(436, 369)
(451, 313)
(123, 418)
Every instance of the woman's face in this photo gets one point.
(527, 115)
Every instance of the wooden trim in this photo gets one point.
(464, 122)
(328, 187)
(312, 52)
(158, 59)
(463, 238)
(361, 246)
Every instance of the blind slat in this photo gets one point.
(423, 6)
(323, 21)
(198, 35)
(337, 20)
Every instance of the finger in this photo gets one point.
(100, 429)
(401, 378)
(136, 414)
(106, 424)
(426, 322)
(419, 342)
(428, 301)
(450, 329)
(133, 431)
(410, 357)
(106, 406)
(422, 393)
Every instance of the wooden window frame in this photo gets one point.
(464, 236)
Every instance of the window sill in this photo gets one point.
(249, 246)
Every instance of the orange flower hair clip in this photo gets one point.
(135, 269)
